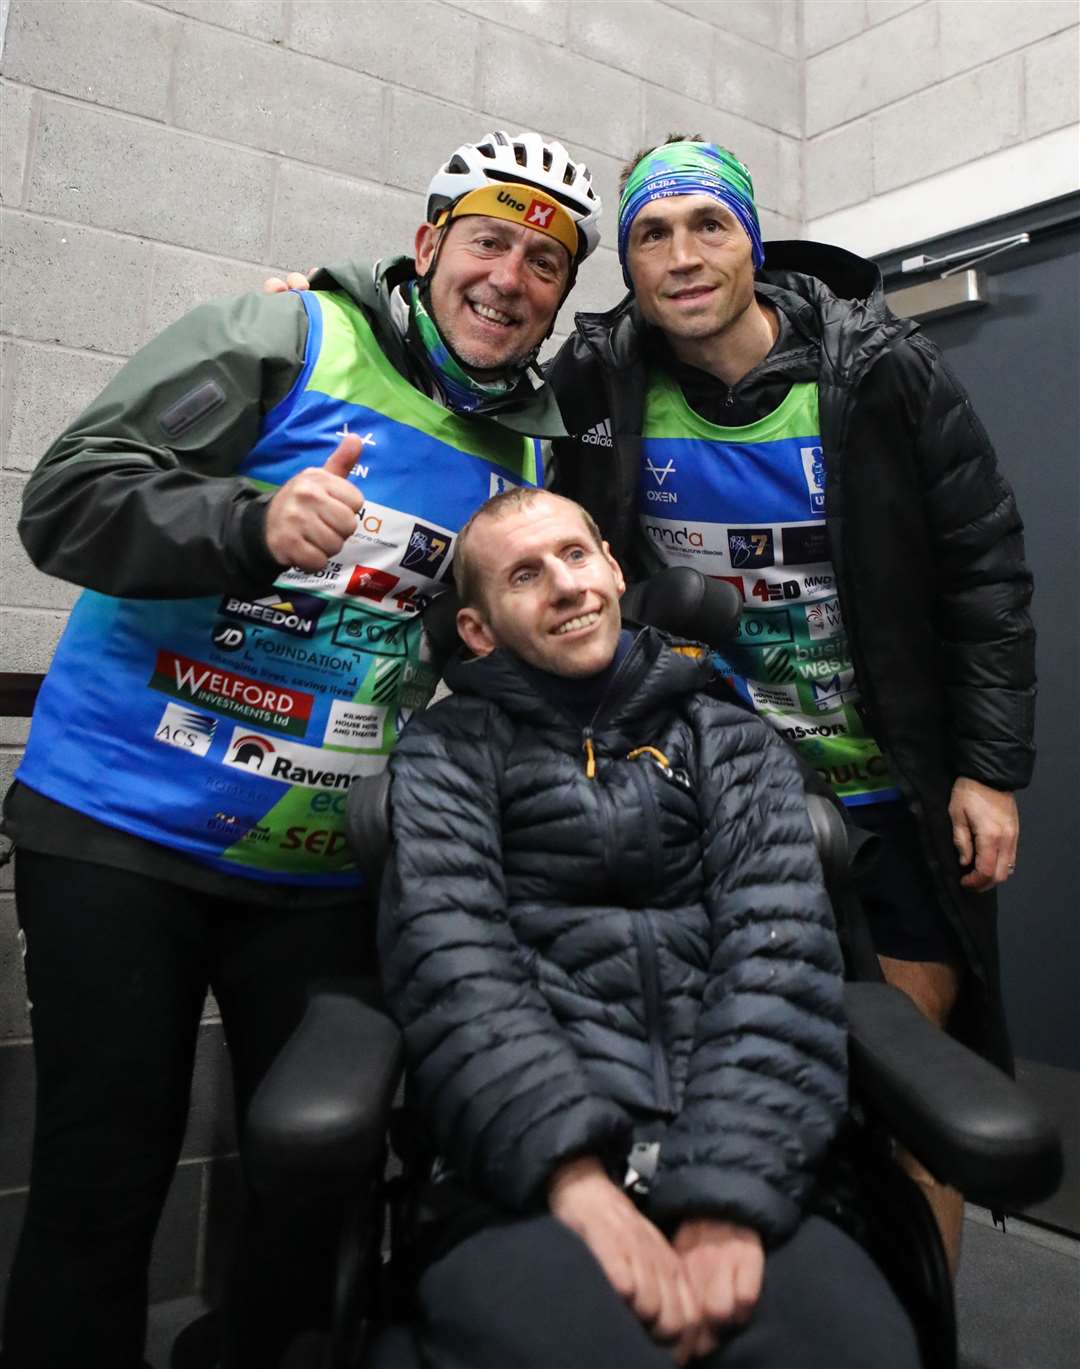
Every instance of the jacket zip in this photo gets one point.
(588, 731)
(647, 953)
(650, 984)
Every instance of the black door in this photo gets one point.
(1019, 358)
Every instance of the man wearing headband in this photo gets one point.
(259, 505)
(758, 413)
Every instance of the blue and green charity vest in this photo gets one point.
(747, 505)
(230, 729)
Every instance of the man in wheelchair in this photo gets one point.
(605, 937)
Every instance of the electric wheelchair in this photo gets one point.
(323, 1120)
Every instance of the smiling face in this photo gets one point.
(692, 266)
(496, 289)
(550, 591)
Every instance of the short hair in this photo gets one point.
(513, 500)
(627, 170)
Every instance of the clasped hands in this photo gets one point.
(683, 1291)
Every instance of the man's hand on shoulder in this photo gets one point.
(312, 516)
(986, 830)
(274, 285)
(724, 1265)
(638, 1261)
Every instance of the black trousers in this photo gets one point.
(530, 1295)
(117, 969)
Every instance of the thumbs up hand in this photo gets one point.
(313, 515)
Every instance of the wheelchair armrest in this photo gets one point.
(320, 1112)
(966, 1121)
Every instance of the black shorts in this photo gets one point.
(902, 908)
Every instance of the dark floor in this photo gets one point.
(1018, 1299)
(1018, 1296)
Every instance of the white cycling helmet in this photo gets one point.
(524, 159)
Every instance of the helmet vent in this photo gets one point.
(458, 165)
(486, 149)
(520, 155)
(547, 158)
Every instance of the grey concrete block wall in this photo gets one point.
(897, 92)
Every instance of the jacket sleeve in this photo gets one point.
(139, 496)
(490, 1067)
(983, 625)
(767, 1081)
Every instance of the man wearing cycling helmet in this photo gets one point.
(259, 505)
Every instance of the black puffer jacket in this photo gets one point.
(572, 957)
(924, 534)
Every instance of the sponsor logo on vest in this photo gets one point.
(319, 660)
(359, 469)
(360, 629)
(823, 619)
(504, 197)
(355, 725)
(499, 484)
(598, 436)
(750, 547)
(805, 544)
(238, 696)
(872, 769)
(675, 537)
(817, 651)
(292, 763)
(409, 599)
(324, 578)
(776, 697)
(228, 637)
(776, 665)
(813, 462)
(298, 614)
(660, 473)
(767, 593)
(183, 728)
(322, 841)
(798, 733)
(758, 628)
(368, 583)
(817, 670)
(539, 212)
(830, 693)
(227, 787)
(426, 550)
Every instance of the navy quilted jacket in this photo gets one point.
(571, 957)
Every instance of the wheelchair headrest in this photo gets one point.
(682, 601)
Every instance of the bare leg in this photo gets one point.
(933, 988)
